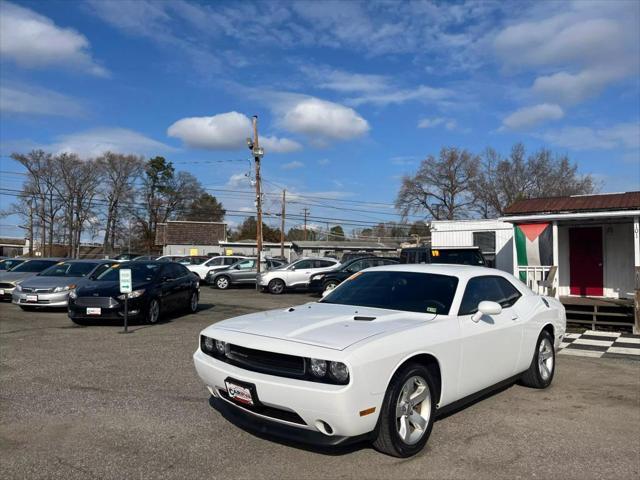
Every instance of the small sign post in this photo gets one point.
(126, 288)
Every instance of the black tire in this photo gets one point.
(543, 364)
(276, 286)
(223, 282)
(330, 285)
(191, 306)
(153, 311)
(389, 439)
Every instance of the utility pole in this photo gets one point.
(29, 202)
(258, 153)
(305, 212)
(284, 213)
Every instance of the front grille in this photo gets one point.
(266, 362)
(37, 290)
(101, 302)
(271, 412)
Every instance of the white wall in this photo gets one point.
(459, 233)
(186, 249)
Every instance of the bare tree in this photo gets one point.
(503, 180)
(441, 186)
(119, 173)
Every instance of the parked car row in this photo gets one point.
(89, 289)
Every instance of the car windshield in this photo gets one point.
(141, 272)
(33, 266)
(9, 263)
(462, 257)
(393, 290)
(69, 269)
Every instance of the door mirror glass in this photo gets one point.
(486, 308)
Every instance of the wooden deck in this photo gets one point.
(594, 312)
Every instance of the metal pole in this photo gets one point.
(126, 313)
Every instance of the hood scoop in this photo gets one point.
(363, 318)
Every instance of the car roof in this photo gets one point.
(317, 258)
(454, 270)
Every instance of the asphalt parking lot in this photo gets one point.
(88, 402)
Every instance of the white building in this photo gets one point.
(493, 237)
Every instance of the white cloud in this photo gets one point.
(576, 53)
(92, 143)
(320, 118)
(279, 145)
(404, 160)
(292, 165)
(238, 180)
(26, 100)
(323, 162)
(225, 131)
(621, 135)
(421, 93)
(345, 82)
(530, 116)
(32, 40)
(448, 123)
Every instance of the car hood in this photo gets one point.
(323, 324)
(51, 282)
(105, 289)
(10, 277)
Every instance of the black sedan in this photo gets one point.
(320, 282)
(158, 287)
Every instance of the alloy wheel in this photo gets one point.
(154, 311)
(413, 410)
(545, 359)
(222, 283)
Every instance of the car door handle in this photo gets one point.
(514, 316)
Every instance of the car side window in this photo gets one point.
(323, 264)
(480, 289)
(356, 266)
(173, 270)
(230, 260)
(304, 264)
(510, 293)
(247, 265)
(214, 262)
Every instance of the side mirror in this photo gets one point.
(486, 308)
(292, 268)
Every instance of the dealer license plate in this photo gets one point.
(32, 298)
(1, 292)
(94, 311)
(239, 394)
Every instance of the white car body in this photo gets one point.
(213, 264)
(297, 274)
(374, 343)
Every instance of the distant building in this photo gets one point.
(13, 247)
(180, 237)
(307, 248)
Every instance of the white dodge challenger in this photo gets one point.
(382, 355)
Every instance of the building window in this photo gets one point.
(486, 242)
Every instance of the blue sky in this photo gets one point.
(350, 95)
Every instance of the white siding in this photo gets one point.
(459, 233)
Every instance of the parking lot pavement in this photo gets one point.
(87, 402)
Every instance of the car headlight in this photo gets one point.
(317, 277)
(73, 294)
(63, 288)
(134, 294)
(213, 347)
(318, 367)
(339, 371)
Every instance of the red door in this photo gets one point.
(585, 261)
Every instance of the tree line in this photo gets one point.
(120, 197)
(460, 184)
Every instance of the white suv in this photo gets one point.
(213, 264)
(295, 275)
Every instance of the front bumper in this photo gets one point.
(310, 402)
(5, 293)
(115, 311)
(315, 286)
(58, 299)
